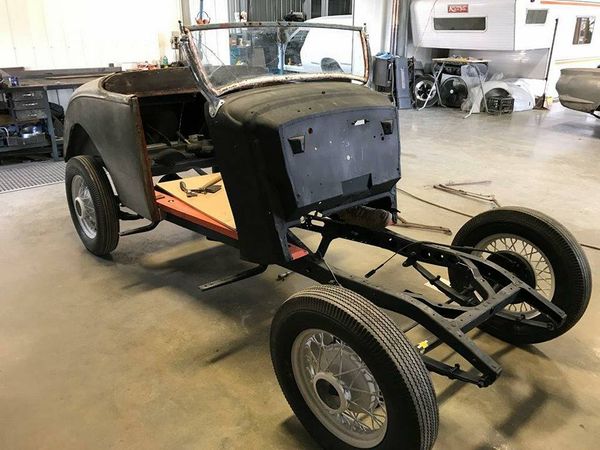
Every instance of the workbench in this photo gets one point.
(29, 103)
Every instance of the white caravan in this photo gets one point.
(515, 35)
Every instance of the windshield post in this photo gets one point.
(193, 56)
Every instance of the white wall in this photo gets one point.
(217, 10)
(217, 41)
(52, 34)
(377, 16)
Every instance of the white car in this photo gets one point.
(579, 89)
(319, 49)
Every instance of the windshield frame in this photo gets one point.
(213, 93)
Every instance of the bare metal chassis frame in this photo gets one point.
(449, 321)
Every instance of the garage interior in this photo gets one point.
(126, 351)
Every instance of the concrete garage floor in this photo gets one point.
(127, 352)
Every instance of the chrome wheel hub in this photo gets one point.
(84, 206)
(339, 388)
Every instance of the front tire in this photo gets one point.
(541, 252)
(93, 206)
(350, 375)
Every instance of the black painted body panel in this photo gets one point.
(350, 153)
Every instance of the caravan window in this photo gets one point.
(584, 29)
(536, 16)
(459, 23)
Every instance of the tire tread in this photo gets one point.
(107, 237)
(364, 319)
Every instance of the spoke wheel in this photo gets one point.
(525, 260)
(541, 252)
(350, 375)
(339, 388)
(423, 89)
(84, 206)
(93, 206)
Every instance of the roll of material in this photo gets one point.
(363, 216)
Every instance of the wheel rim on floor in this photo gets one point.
(339, 388)
(84, 206)
(523, 249)
(423, 90)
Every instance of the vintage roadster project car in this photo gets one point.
(304, 145)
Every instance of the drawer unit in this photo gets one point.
(30, 114)
(27, 104)
(20, 96)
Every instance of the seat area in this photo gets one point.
(211, 210)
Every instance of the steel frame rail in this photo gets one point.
(448, 321)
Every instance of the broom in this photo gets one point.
(541, 101)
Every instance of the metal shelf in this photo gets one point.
(17, 148)
(50, 138)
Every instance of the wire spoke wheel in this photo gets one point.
(538, 272)
(339, 388)
(93, 206)
(83, 205)
(350, 375)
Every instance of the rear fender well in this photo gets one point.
(80, 143)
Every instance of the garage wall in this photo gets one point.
(377, 18)
(50, 34)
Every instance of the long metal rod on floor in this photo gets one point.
(437, 205)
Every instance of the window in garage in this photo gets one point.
(322, 8)
(316, 9)
(584, 30)
(536, 16)
(459, 23)
(339, 7)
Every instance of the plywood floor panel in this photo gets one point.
(214, 205)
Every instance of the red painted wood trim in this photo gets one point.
(181, 209)
(174, 206)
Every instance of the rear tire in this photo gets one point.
(536, 240)
(93, 206)
(357, 345)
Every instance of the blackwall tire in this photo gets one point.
(555, 246)
(93, 206)
(391, 370)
